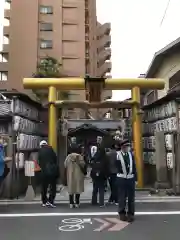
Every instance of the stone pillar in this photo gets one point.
(161, 162)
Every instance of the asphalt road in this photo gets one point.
(31, 222)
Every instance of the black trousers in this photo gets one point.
(113, 186)
(48, 182)
(74, 196)
(98, 187)
(126, 191)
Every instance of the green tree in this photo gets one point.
(50, 68)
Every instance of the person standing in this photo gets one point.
(126, 179)
(112, 157)
(99, 174)
(2, 162)
(99, 140)
(75, 172)
(47, 160)
(73, 146)
(93, 152)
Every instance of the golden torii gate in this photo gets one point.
(65, 84)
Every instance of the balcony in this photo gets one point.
(104, 42)
(104, 68)
(104, 29)
(7, 13)
(5, 48)
(104, 55)
(6, 30)
(3, 66)
(87, 37)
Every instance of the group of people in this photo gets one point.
(115, 165)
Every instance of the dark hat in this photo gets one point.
(125, 143)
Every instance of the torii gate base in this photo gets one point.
(109, 84)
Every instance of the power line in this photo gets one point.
(165, 12)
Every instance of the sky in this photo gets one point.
(137, 33)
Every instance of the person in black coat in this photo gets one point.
(99, 175)
(126, 180)
(112, 157)
(49, 173)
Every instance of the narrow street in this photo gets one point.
(31, 221)
(156, 218)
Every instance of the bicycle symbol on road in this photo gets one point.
(73, 224)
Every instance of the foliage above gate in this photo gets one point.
(50, 67)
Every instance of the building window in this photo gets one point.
(4, 57)
(46, 44)
(46, 9)
(46, 27)
(3, 76)
(151, 97)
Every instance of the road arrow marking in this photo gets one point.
(111, 224)
(119, 225)
(104, 225)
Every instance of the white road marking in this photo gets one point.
(153, 200)
(58, 214)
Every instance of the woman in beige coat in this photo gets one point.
(75, 170)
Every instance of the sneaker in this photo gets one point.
(116, 204)
(44, 205)
(101, 206)
(76, 205)
(51, 205)
(71, 206)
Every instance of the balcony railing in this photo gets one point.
(104, 29)
(6, 30)
(104, 55)
(104, 42)
(105, 68)
(5, 48)
(7, 13)
(87, 38)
